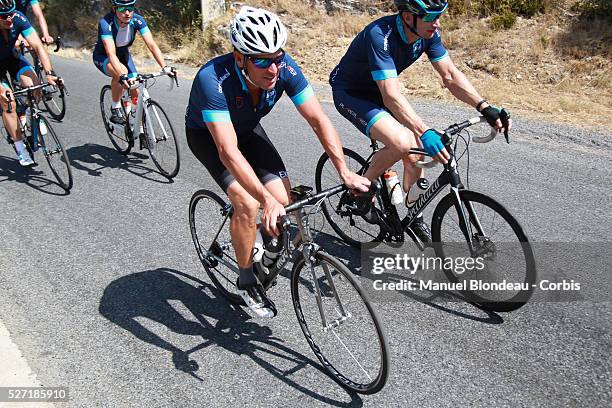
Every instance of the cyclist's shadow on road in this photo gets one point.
(35, 177)
(94, 158)
(134, 298)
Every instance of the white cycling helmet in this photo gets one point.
(257, 31)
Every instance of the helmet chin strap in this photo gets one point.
(414, 26)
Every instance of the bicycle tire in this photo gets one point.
(323, 342)
(353, 230)
(118, 135)
(50, 150)
(204, 208)
(55, 109)
(507, 235)
(165, 141)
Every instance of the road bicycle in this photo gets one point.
(146, 122)
(54, 97)
(335, 315)
(39, 135)
(464, 223)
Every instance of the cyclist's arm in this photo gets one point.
(40, 17)
(111, 52)
(225, 138)
(457, 83)
(319, 122)
(37, 45)
(399, 106)
(152, 46)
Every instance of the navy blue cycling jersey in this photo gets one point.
(22, 5)
(108, 29)
(382, 51)
(219, 94)
(21, 25)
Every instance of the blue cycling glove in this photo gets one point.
(432, 142)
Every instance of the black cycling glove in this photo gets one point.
(492, 113)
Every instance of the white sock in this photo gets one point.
(20, 146)
(116, 105)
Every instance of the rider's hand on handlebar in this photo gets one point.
(6, 95)
(47, 39)
(497, 118)
(433, 145)
(355, 182)
(170, 71)
(53, 78)
(125, 81)
(272, 210)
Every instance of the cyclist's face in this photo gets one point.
(264, 78)
(424, 28)
(6, 20)
(124, 16)
(427, 29)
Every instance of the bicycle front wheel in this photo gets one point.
(342, 328)
(118, 135)
(504, 273)
(353, 229)
(54, 152)
(209, 218)
(161, 140)
(54, 99)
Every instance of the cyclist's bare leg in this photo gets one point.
(29, 78)
(243, 225)
(11, 121)
(398, 140)
(116, 88)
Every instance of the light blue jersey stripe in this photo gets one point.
(384, 74)
(28, 32)
(106, 37)
(33, 2)
(144, 30)
(22, 70)
(375, 119)
(440, 58)
(216, 116)
(303, 96)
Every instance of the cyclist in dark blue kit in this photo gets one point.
(366, 90)
(116, 34)
(12, 25)
(24, 6)
(229, 96)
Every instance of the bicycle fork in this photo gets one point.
(308, 252)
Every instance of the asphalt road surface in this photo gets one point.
(102, 291)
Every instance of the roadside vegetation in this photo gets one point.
(539, 57)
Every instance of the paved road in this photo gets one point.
(102, 291)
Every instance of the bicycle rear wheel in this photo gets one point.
(342, 329)
(498, 241)
(54, 152)
(161, 140)
(118, 135)
(353, 229)
(54, 99)
(209, 218)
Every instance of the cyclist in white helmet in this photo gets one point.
(229, 96)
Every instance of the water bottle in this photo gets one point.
(393, 187)
(415, 191)
(258, 248)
